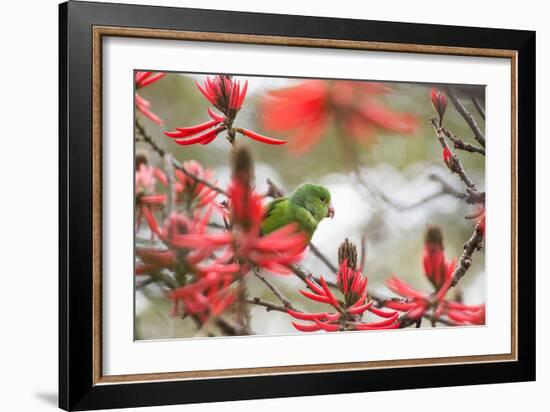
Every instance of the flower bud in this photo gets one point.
(242, 166)
(448, 159)
(439, 101)
(348, 252)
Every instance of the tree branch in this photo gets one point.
(465, 261)
(287, 304)
(456, 165)
(267, 305)
(478, 134)
(478, 107)
(462, 145)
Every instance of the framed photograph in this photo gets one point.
(257, 205)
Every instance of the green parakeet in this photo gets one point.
(306, 206)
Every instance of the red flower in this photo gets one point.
(144, 79)
(306, 110)
(436, 268)
(224, 93)
(439, 102)
(207, 297)
(174, 234)
(189, 191)
(227, 95)
(345, 314)
(417, 304)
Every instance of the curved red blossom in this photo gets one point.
(207, 297)
(190, 191)
(436, 267)
(416, 304)
(143, 79)
(346, 313)
(305, 112)
(227, 95)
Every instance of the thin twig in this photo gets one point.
(456, 165)
(267, 305)
(148, 139)
(315, 250)
(215, 188)
(478, 134)
(471, 197)
(443, 191)
(363, 258)
(478, 107)
(284, 300)
(460, 144)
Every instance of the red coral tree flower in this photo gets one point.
(142, 80)
(306, 110)
(345, 313)
(439, 272)
(174, 233)
(227, 95)
(190, 188)
(436, 268)
(207, 298)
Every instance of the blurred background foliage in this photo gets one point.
(396, 165)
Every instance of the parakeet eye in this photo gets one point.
(323, 199)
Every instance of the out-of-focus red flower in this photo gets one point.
(346, 313)
(436, 268)
(306, 111)
(174, 233)
(207, 298)
(227, 95)
(416, 304)
(144, 79)
(189, 191)
(439, 102)
(153, 260)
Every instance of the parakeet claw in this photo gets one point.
(330, 212)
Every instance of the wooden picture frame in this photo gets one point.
(83, 26)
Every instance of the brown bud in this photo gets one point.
(348, 252)
(433, 236)
(243, 165)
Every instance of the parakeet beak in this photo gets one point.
(330, 211)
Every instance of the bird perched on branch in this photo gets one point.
(306, 206)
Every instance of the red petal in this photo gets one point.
(381, 313)
(215, 116)
(306, 328)
(359, 309)
(260, 137)
(313, 296)
(329, 294)
(206, 136)
(188, 131)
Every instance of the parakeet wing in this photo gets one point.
(276, 215)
